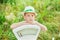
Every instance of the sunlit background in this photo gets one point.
(48, 14)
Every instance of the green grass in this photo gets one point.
(48, 14)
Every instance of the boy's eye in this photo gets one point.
(28, 15)
(32, 15)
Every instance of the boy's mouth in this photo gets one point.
(31, 20)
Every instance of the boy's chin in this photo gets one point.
(31, 20)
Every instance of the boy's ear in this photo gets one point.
(24, 17)
(35, 17)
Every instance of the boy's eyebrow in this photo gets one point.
(27, 12)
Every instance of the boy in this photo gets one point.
(29, 16)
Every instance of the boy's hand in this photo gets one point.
(13, 26)
(43, 28)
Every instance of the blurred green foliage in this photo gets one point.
(48, 14)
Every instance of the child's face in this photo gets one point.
(29, 16)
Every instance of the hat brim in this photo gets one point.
(29, 12)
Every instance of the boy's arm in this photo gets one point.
(43, 28)
(15, 25)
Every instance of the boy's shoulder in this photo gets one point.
(36, 22)
(14, 25)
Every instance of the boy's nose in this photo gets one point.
(30, 16)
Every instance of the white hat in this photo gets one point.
(29, 9)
